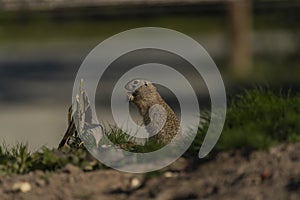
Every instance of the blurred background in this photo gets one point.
(43, 43)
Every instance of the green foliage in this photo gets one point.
(126, 142)
(19, 160)
(260, 118)
(15, 160)
(257, 119)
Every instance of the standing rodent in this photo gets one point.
(157, 115)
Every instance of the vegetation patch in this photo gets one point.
(255, 120)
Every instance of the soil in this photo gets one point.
(272, 174)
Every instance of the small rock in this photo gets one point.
(40, 182)
(266, 174)
(71, 169)
(21, 187)
(170, 174)
(179, 165)
(135, 183)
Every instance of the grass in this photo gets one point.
(126, 142)
(19, 160)
(15, 160)
(259, 119)
(256, 120)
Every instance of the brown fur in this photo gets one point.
(146, 96)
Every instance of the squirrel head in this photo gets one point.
(142, 92)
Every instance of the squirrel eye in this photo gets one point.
(146, 84)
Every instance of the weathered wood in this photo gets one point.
(240, 20)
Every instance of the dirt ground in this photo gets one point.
(272, 174)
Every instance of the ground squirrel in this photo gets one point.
(157, 115)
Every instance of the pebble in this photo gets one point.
(135, 183)
(21, 187)
(170, 174)
(71, 169)
(40, 182)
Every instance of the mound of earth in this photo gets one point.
(272, 174)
